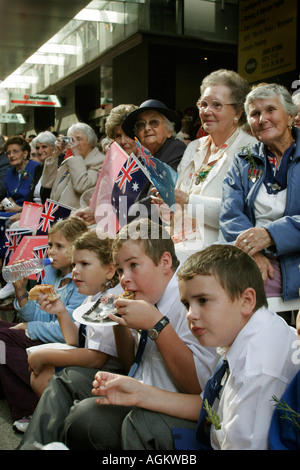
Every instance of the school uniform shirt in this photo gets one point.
(100, 337)
(152, 368)
(261, 365)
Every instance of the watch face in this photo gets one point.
(152, 333)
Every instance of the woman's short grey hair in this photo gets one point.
(296, 98)
(169, 125)
(271, 90)
(45, 137)
(87, 130)
(238, 86)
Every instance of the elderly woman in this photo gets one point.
(155, 125)
(19, 177)
(260, 209)
(77, 172)
(206, 160)
(114, 131)
(44, 146)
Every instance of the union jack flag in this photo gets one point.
(41, 253)
(52, 212)
(146, 155)
(126, 173)
(13, 239)
(272, 159)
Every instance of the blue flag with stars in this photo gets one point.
(163, 176)
(128, 185)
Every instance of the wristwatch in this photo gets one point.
(154, 332)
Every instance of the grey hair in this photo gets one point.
(45, 137)
(87, 130)
(238, 87)
(296, 98)
(270, 90)
(169, 125)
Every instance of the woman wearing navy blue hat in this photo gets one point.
(155, 125)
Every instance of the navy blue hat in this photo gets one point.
(156, 105)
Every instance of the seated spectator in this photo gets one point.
(114, 131)
(206, 161)
(155, 125)
(19, 177)
(94, 274)
(171, 355)
(36, 326)
(260, 204)
(44, 146)
(222, 289)
(284, 431)
(78, 172)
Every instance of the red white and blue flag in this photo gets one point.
(162, 176)
(41, 253)
(13, 239)
(128, 185)
(52, 212)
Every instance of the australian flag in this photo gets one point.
(13, 239)
(52, 212)
(41, 253)
(128, 185)
(162, 175)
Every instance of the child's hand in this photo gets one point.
(55, 307)
(116, 389)
(137, 314)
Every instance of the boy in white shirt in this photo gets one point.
(224, 295)
(145, 260)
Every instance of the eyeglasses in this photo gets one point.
(153, 123)
(215, 105)
(13, 152)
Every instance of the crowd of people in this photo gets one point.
(192, 358)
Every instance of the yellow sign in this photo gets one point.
(267, 38)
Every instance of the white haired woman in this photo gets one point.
(260, 211)
(77, 172)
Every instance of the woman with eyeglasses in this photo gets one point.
(206, 160)
(155, 126)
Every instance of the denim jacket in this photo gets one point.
(238, 212)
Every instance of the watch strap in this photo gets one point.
(164, 321)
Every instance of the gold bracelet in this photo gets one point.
(187, 200)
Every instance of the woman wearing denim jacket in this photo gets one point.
(260, 210)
